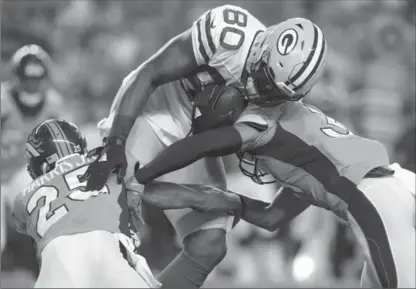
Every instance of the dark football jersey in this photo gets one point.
(55, 204)
(306, 150)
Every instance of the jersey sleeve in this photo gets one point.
(215, 34)
(260, 119)
(252, 116)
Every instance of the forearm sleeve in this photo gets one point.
(214, 143)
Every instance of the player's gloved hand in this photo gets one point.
(137, 261)
(111, 158)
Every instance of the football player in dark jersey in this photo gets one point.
(76, 232)
(320, 160)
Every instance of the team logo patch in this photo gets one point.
(287, 41)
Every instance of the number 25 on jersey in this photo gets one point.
(46, 217)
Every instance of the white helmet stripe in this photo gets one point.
(314, 63)
(306, 63)
(32, 150)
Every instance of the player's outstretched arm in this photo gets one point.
(270, 216)
(284, 208)
(201, 198)
(173, 61)
(218, 142)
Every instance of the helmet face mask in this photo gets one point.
(268, 90)
(36, 167)
(49, 142)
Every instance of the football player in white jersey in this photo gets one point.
(153, 109)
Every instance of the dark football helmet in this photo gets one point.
(51, 141)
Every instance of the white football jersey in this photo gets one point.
(221, 40)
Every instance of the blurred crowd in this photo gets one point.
(368, 85)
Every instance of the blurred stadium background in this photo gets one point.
(369, 84)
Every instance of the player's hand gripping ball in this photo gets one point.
(111, 158)
(215, 106)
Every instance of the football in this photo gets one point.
(217, 105)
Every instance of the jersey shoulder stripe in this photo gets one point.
(205, 42)
(208, 33)
(201, 47)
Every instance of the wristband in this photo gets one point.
(114, 140)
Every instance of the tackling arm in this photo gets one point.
(284, 208)
(217, 142)
(201, 198)
(212, 143)
(173, 61)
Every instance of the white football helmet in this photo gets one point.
(293, 58)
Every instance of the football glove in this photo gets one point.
(111, 158)
(137, 261)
